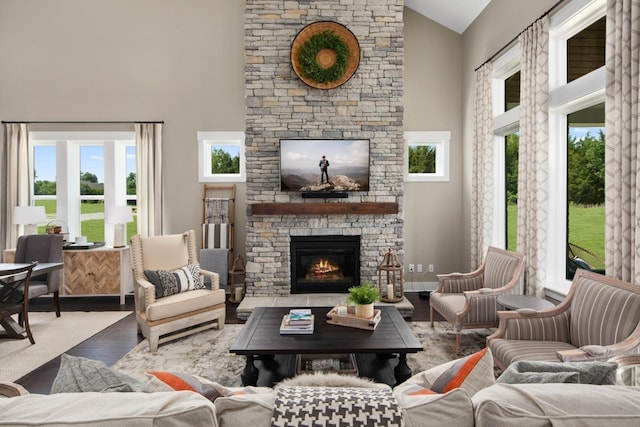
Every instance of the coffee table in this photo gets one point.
(260, 339)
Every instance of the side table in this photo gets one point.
(514, 302)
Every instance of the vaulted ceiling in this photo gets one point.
(456, 15)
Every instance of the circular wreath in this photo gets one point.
(308, 61)
(325, 54)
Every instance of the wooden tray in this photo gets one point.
(351, 320)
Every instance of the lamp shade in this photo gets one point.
(118, 214)
(29, 215)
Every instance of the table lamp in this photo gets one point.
(30, 217)
(119, 216)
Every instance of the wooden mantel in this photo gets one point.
(323, 208)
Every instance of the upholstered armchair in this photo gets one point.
(171, 300)
(599, 319)
(42, 248)
(468, 301)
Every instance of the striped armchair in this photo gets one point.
(599, 319)
(468, 301)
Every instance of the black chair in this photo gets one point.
(14, 291)
(42, 248)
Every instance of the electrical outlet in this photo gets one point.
(419, 268)
(430, 268)
(411, 268)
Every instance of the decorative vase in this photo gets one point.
(364, 311)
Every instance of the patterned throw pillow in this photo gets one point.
(180, 382)
(179, 280)
(471, 373)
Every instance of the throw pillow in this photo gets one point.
(598, 373)
(180, 382)
(79, 374)
(172, 282)
(471, 373)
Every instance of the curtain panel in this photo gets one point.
(14, 179)
(622, 189)
(482, 189)
(149, 178)
(533, 161)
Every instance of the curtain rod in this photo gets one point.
(510, 43)
(99, 122)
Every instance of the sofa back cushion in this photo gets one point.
(500, 268)
(602, 313)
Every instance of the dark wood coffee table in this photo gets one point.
(260, 339)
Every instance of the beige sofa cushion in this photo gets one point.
(182, 408)
(436, 410)
(183, 302)
(560, 405)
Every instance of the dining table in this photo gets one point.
(9, 284)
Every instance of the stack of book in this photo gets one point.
(298, 321)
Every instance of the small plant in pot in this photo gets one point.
(363, 297)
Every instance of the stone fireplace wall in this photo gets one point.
(279, 105)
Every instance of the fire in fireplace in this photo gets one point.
(322, 264)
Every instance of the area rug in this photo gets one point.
(53, 336)
(207, 353)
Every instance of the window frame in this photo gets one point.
(208, 139)
(68, 196)
(566, 98)
(440, 140)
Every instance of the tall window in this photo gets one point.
(512, 145)
(585, 189)
(576, 141)
(76, 174)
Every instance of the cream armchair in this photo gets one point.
(468, 301)
(599, 319)
(165, 318)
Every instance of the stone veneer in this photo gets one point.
(279, 105)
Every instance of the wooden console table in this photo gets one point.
(99, 271)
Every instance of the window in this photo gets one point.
(221, 156)
(512, 91)
(576, 138)
(512, 145)
(585, 189)
(77, 173)
(427, 156)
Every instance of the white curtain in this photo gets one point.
(533, 161)
(622, 189)
(149, 178)
(14, 179)
(482, 191)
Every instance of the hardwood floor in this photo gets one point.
(111, 344)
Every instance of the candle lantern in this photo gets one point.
(237, 282)
(390, 278)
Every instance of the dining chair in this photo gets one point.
(14, 291)
(42, 248)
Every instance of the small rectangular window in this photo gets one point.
(586, 50)
(512, 91)
(221, 156)
(427, 156)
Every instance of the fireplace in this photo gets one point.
(321, 264)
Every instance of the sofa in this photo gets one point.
(463, 392)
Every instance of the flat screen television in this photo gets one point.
(302, 161)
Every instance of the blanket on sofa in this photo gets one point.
(327, 406)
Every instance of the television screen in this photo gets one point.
(309, 165)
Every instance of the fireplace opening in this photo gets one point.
(324, 264)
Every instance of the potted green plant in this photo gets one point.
(363, 297)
